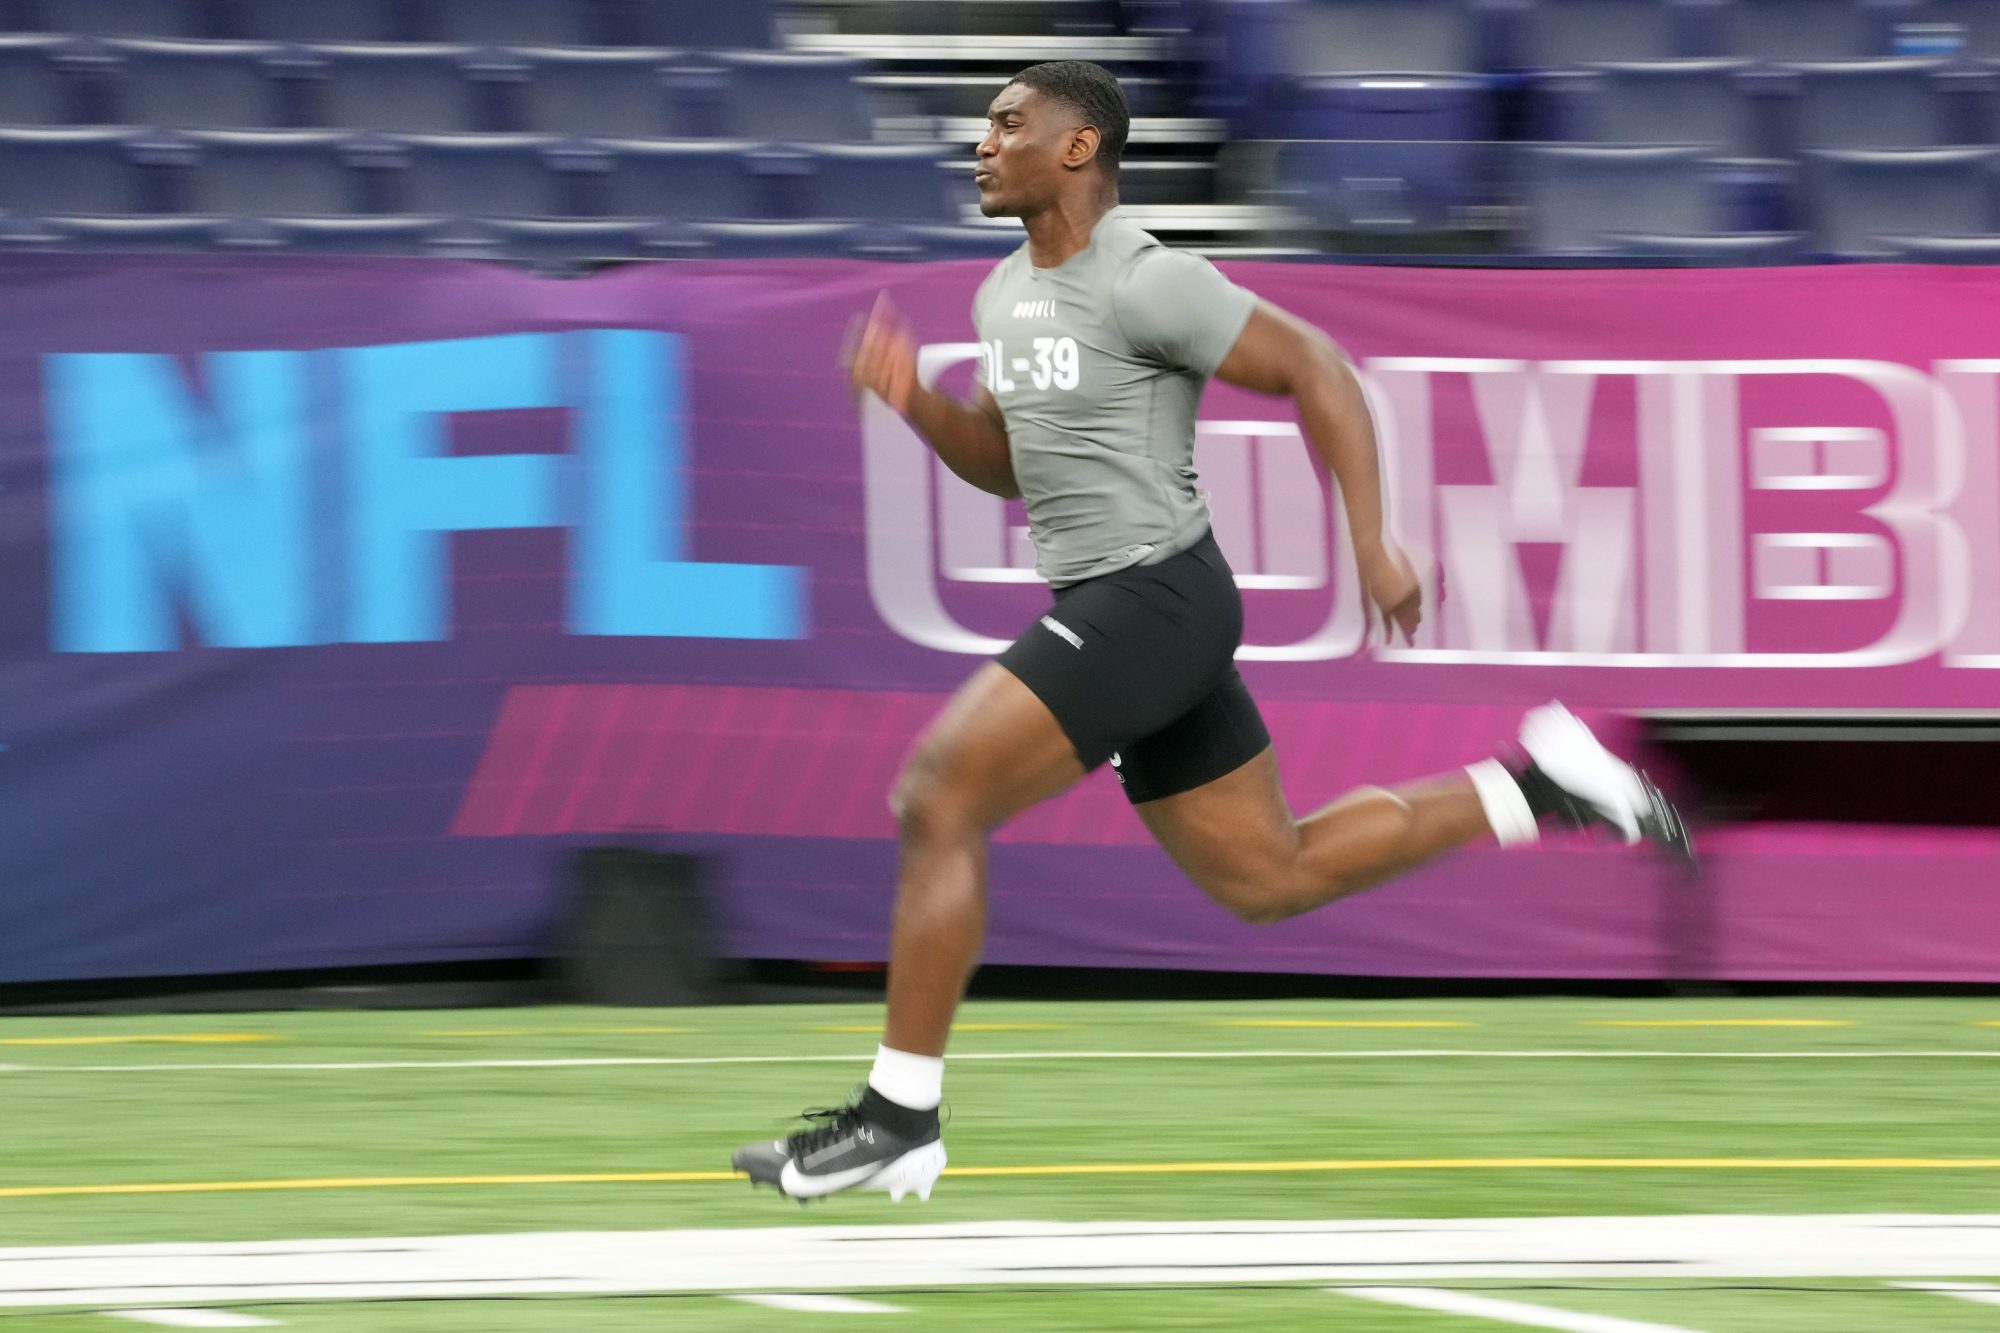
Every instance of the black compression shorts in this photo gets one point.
(1138, 667)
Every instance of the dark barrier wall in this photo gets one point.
(342, 601)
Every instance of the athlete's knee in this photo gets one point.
(928, 800)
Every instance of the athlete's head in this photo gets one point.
(1057, 127)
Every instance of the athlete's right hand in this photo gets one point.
(1393, 588)
(881, 355)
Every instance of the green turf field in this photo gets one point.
(1259, 1110)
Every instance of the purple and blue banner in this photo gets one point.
(343, 599)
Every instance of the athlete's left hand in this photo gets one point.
(1395, 594)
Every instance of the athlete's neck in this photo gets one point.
(1063, 229)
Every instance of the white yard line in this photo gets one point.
(1978, 1293)
(600, 1062)
(1505, 1312)
(822, 1304)
(193, 1318)
(869, 1260)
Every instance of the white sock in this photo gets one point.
(915, 1081)
(1506, 808)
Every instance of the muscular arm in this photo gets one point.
(1279, 353)
(971, 437)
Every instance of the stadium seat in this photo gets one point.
(1854, 199)
(291, 173)
(71, 171)
(107, 234)
(1807, 29)
(1429, 107)
(563, 243)
(396, 89)
(326, 20)
(511, 22)
(1976, 22)
(127, 18)
(1382, 187)
(1575, 196)
(488, 176)
(1246, 67)
(1387, 36)
(603, 93)
(1552, 34)
(1943, 249)
(195, 85)
(1877, 104)
(37, 82)
(887, 182)
(740, 24)
(331, 235)
(1723, 250)
(676, 180)
(1698, 102)
(766, 95)
(921, 241)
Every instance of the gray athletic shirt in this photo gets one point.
(1098, 365)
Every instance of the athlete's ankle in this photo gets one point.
(908, 1121)
(1505, 797)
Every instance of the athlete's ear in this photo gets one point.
(1082, 146)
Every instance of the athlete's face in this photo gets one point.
(1032, 142)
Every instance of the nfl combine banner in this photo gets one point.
(342, 600)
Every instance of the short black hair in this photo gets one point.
(1091, 91)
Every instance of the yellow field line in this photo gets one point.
(189, 1038)
(548, 1032)
(1063, 1169)
(1718, 1023)
(876, 1028)
(1338, 1023)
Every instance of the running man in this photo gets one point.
(1098, 341)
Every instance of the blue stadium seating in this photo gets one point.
(1699, 102)
(1807, 29)
(766, 95)
(290, 173)
(1976, 21)
(1388, 36)
(397, 89)
(1419, 107)
(1943, 249)
(107, 234)
(126, 18)
(485, 176)
(340, 235)
(1723, 250)
(921, 241)
(71, 171)
(194, 85)
(1382, 187)
(326, 20)
(741, 24)
(512, 22)
(37, 83)
(677, 180)
(1577, 196)
(1855, 199)
(1879, 104)
(1556, 33)
(896, 182)
(603, 93)
(1387, 153)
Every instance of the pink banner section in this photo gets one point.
(820, 763)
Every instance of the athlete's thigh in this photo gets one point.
(1233, 832)
(995, 749)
